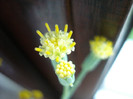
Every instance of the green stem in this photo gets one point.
(90, 62)
(88, 65)
(54, 63)
(77, 83)
(65, 88)
(65, 92)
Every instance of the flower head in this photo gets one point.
(55, 44)
(34, 94)
(101, 47)
(65, 71)
(25, 94)
(37, 94)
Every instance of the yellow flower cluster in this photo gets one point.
(34, 94)
(25, 94)
(55, 44)
(37, 94)
(65, 69)
(101, 47)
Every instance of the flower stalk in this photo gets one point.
(88, 65)
(65, 93)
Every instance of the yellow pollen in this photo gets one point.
(56, 28)
(57, 59)
(65, 69)
(47, 26)
(70, 34)
(61, 76)
(72, 45)
(66, 27)
(47, 52)
(46, 41)
(38, 49)
(64, 48)
(39, 33)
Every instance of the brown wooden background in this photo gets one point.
(19, 19)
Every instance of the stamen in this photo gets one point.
(47, 52)
(66, 27)
(64, 48)
(38, 49)
(46, 41)
(56, 28)
(47, 26)
(72, 45)
(39, 33)
(57, 59)
(70, 34)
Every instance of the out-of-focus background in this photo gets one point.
(21, 67)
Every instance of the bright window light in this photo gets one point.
(118, 84)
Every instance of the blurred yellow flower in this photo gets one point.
(25, 94)
(34, 94)
(65, 69)
(55, 44)
(37, 94)
(101, 47)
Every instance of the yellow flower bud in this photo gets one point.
(65, 69)
(101, 47)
